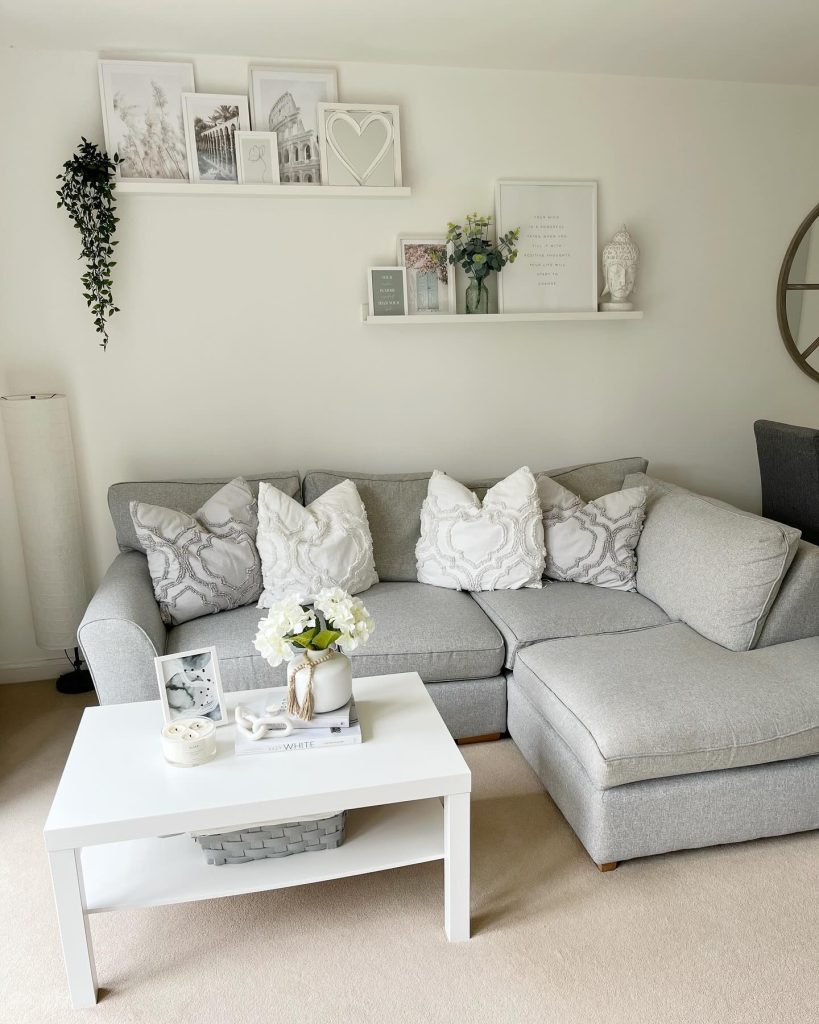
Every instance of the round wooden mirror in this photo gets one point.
(797, 296)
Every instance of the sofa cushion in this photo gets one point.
(666, 701)
(595, 479)
(206, 562)
(795, 612)
(307, 549)
(494, 544)
(559, 610)
(182, 495)
(393, 503)
(441, 634)
(714, 566)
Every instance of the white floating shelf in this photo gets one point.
(227, 188)
(479, 319)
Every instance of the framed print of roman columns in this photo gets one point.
(556, 268)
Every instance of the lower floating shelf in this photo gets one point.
(449, 319)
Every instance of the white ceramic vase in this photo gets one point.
(332, 680)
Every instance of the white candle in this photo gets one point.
(189, 741)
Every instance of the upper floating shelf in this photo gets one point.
(228, 188)
(481, 319)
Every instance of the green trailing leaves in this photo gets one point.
(87, 194)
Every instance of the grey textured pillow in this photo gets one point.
(713, 566)
(206, 562)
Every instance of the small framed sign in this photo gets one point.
(387, 289)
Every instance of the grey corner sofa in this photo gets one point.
(648, 736)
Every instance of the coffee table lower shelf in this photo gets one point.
(155, 872)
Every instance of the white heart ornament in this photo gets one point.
(359, 127)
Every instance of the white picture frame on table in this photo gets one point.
(190, 686)
(285, 100)
(556, 267)
(360, 144)
(211, 122)
(257, 158)
(387, 291)
(429, 291)
(142, 117)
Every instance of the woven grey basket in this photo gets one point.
(282, 840)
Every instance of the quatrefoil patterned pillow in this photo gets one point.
(592, 542)
(202, 563)
(469, 545)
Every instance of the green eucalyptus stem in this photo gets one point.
(87, 194)
(475, 253)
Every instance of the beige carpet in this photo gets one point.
(721, 935)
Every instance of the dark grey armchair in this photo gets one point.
(789, 468)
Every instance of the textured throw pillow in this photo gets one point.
(715, 567)
(202, 563)
(303, 550)
(466, 545)
(591, 542)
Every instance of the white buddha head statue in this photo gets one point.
(620, 259)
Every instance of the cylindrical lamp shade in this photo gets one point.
(41, 455)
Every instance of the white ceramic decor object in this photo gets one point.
(469, 545)
(319, 681)
(305, 550)
(620, 261)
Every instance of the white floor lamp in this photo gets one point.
(41, 456)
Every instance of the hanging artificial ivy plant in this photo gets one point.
(87, 193)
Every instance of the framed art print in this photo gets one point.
(211, 122)
(430, 276)
(142, 117)
(257, 158)
(190, 686)
(387, 291)
(556, 268)
(360, 144)
(285, 101)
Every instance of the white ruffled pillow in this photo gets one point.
(304, 550)
(592, 543)
(466, 545)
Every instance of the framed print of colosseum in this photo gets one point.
(285, 101)
(211, 123)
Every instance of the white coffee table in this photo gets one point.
(118, 796)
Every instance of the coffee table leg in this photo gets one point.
(456, 867)
(69, 895)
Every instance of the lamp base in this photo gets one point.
(77, 681)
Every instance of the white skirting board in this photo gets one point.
(33, 671)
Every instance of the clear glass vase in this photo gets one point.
(477, 297)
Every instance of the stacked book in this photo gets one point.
(332, 729)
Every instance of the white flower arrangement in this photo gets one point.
(332, 619)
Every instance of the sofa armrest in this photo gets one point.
(122, 632)
(794, 614)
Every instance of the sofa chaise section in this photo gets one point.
(610, 721)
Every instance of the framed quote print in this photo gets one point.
(387, 291)
(556, 268)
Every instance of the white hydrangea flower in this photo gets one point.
(286, 618)
(346, 614)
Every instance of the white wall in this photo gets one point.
(239, 346)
